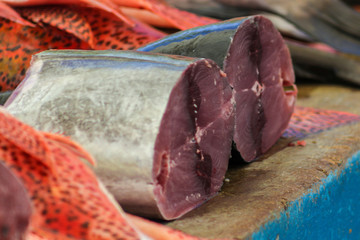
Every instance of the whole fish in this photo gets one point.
(328, 21)
(15, 206)
(170, 124)
(258, 66)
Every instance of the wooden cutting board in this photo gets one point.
(256, 193)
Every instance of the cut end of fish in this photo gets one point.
(259, 68)
(193, 145)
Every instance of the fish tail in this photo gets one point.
(70, 145)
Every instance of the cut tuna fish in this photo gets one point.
(159, 126)
(259, 69)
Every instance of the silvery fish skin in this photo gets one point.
(258, 66)
(160, 127)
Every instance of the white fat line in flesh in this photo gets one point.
(201, 131)
(257, 88)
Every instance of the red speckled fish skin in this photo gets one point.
(112, 33)
(19, 42)
(65, 18)
(306, 121)
(63, 27)
(105, 5)
(67, 199)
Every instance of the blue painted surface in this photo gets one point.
(331, 212)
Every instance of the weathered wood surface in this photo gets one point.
(257, 192)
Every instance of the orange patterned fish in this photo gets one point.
(63, 27)
(105, 5)
(16, 49)
(68, 200)
(306, 121)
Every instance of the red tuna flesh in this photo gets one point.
(259, 68)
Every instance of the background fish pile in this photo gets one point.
(324, 43)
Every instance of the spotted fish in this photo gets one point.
(306, 121)
(16, 49)
(68, 201)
